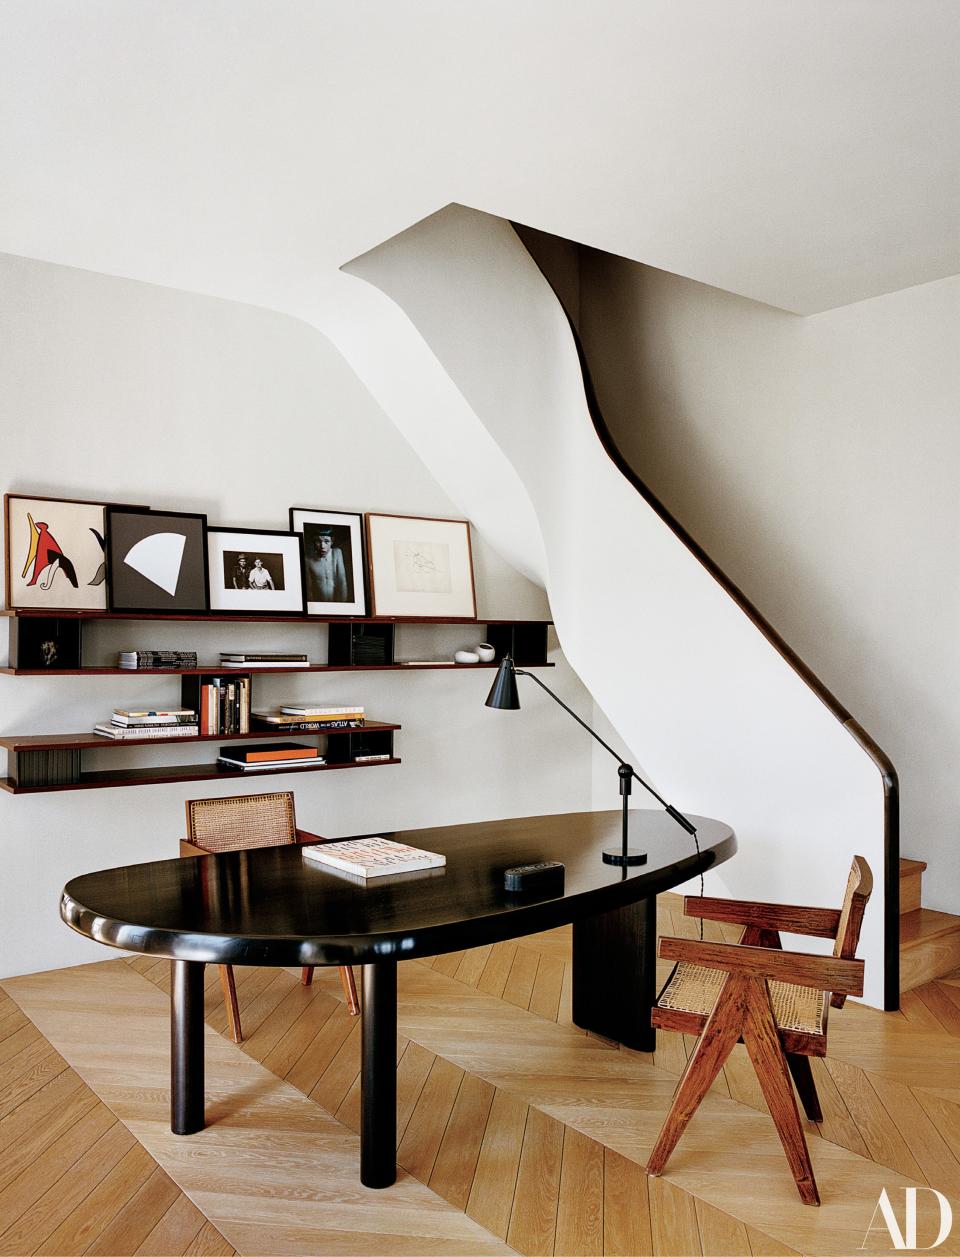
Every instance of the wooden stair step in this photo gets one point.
(911, 879)
(929, 946)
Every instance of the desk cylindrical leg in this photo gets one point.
(378, 1079)
(186, 1047)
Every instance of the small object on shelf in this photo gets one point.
(143, 660)
(466, 656)
(154, 716)
(372, 857)
(37, 642)
(269, 753)
(370, 759)
(232, 765)
(263, 661)
(424, 663)
(486, 652)
(541, 876)
(121, 733)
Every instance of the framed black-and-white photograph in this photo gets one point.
(254, 571)
(156, 560)
(333, 560)
(421, 567)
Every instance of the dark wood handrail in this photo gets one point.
(888, 774)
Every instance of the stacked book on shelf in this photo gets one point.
(265, 756)
(261, 660)
(148, 722)
(144, 660)
(310, 718)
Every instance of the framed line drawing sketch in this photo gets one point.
(157, 560)
(255, 571)
(333, 560)
(420, 567)
(55, 553)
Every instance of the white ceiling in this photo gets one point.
(800, 152)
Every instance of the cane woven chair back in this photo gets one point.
(855, 900)
(242, 822)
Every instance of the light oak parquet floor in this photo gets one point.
(518, 1121)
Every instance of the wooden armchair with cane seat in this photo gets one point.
(240, 824)
(774, 1001)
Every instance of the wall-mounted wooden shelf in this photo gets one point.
(178, 772)
(213, 670)
(361, 644)
(19, 743)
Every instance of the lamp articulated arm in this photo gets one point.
(675, 813)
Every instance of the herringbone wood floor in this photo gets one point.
(546, 1161)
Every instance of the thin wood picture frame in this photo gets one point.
(79, 563)
(420, 567)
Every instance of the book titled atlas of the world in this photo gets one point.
(372, 857)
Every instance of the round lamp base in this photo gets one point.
(614, 855)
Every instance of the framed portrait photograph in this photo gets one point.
(255, 571)
(421, 567)
(156, 560)
(333, 560)
(55, 553)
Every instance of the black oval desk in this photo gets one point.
(273, 907)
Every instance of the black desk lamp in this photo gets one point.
(503, 696)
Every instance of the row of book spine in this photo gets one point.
(58, 767)
(224, 705)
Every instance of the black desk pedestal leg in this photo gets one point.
(615, 973)
(378, 1076)
(186, 1047)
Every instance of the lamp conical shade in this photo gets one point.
(503, 693)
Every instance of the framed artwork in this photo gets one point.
(255, 571)
(55, 553)
(421, 567)
(333, 560)
(156, 560)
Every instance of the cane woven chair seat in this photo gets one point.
(695, 989)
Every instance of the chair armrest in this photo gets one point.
(189, 848)
(824, 973)
(817, 922)
(304, 835)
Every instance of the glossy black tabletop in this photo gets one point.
(272, 906)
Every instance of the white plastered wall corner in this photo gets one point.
(715, 714)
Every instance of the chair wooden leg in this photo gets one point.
(230, 1000)
(306, 975)
(349, 990)
(720, 1035)
(763, 1045)
(806, 1088)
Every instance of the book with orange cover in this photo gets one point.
(268, 752)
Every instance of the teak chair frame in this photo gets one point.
(278, 816)
(744, 1010)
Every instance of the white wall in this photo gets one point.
(816, 461)
(712, 711)
(131, 392)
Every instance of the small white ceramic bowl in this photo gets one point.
(486, 652)
(466, 656)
